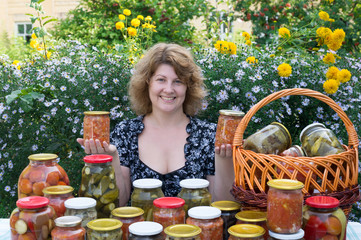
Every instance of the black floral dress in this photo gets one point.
(198, 151)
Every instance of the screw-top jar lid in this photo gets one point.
(194, 183)
(300, 150)
(168, 202)
(226, 205)
(246, 230)
(80, 203)
(308, 127)
(32, 202)
(42, 156)
(182, 230)
(322, 202)
(96, 112)
(285, 184)
(287, 132)
(251, 216)
(68, 221)
(231, 113)
(127, 212)
(145, 228)
(58, 189)
(204, 212)
(147, 183)
(104, 224)
(289, 236)
(98, 158)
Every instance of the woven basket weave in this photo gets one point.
(332, 175)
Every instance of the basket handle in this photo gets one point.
(352, 139)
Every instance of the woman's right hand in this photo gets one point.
(94, 147)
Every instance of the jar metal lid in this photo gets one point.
(226, 205)
(58, 189)
(168, 202)
(285, 184)
(68, 221)
(32, 202)
(96, 112)
(147, 183)
(286, 130)
(98, 158)
(301, 150)
(251, 216)
(127, 212)
(145, 228)
(104, 224)
(194, 183)
(80, 203)
(246, 230)
(204, 212)
(231, 113)
(310, 126)
(322, 202)
(289, 236)
(182, 230)
(42, 156)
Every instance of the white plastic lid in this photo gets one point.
(145, 228)
(147, 183)
(194, 183)
(80, 203)
(204, 212)
(316, 124)
(68, 221)
(290, 236)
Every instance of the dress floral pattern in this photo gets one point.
(198, 151)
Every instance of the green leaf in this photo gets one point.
(13, 95)
(36, 95)
(50, 20)
(33, 19)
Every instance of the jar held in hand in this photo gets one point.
(96, 126)
(228, 121)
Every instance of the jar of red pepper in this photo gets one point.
(168, 211)
(128, 215)
(228, 121)
(68, 228)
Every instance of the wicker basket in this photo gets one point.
(339, 172)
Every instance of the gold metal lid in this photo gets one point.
(285, 184)
(231, 113)
(42, 156)
(58, 189)
(286, 130)
(252, 216)
(246, 230)
(104, 224)
(96, 113)
(127, 212)
(182, 230)
(226, 205)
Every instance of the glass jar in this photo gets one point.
(68, 228)
(32, 219)
(228, 121)
(291, 236)
(128, 215)
(105, 229)
(57, 195)
(323, 219)
(145, 230)
(42, 171)
(284, 205)
(294, 151)
(272, 139)
(195, 193)
(96, 125)
(144, 193)
(229, 209)
(253, 217)
(82, 207)
(183, 232)
(246, 232)
(98, 182)
(168, 211)
(209, 220)
(317, 140)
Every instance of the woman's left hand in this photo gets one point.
(225, 150)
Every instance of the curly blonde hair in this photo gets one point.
(185, 68)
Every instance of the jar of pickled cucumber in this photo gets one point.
(323, 219)
(183, 232)
(229, 209)
(284, 205)
(228, 121)
(83, 207)
(57, 195)
(317, 140)
(68, 228)
(145, 230)
(246, 232)
(144, 193)
(195, 193)
(168, 211)
(98, 182)
(128, 215)
(43, 171)
(96, 125)
(253, 217)
(104, 229)
(290, 236)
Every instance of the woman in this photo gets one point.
(166, 141)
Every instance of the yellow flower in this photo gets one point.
(233, 48)
(148, 18)
(284, 70)
(121, 17)
(329, 58)
(48, 54)
(219, 44)
(246, 35)
(34, 44)
(323, 32)
(324, 15)
(16, 64)
(334, 46)
(272, 56)
(330, 1)
(135, 22)
(343, 76)
(248, 42)
(119, 25)
(33, 36)
(132, 31)
(332, 72)
(339, 35)
(140, 17)
(252, 60)
(127, 12)
(331, 86)
(284, 32)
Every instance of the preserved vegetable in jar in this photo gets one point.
(145, 191)
(82, 207)
(43, 171)
(289, 236)
(128, 215)
(168, 211)
(284, 205)
(246, 232)
(294, 151)
(146, 230)
(57, 195)
(253, 217)
(183, 232)
(228, 121)
(96, 126)
(98, 182)
(323, 219)
(104, 229)
(209, 220)
(68, 228)
(229, 209)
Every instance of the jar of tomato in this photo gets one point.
(209, 220)
(323, 219)
(253, 217)
(284, 205)
(128, 215)
(42, 171)
(183, 232)
(246, 232)
(98, 182)
(145, 191)
(290, 236)
(96, 125)
(32, 219)
(168, 211)
(68, 228)
(228, 121)
(82, 207)
(229, 209)
(145, 230)
(105, 229)
(57, 195)
(294, 151)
